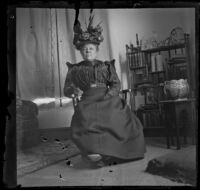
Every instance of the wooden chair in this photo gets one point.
(124, 94)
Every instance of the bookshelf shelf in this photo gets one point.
(156, 72)
(137, 68)
(165, 48)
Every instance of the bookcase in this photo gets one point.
(149, 68)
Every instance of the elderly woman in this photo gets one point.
(103, 126)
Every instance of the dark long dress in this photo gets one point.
(102, 122)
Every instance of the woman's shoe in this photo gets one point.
(94, 157)
(93, 160)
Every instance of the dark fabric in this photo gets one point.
(102, 122)
(85, 73)
(178, 166)
(105, 125)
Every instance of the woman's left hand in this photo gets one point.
(107, 95)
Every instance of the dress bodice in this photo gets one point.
(85, 73)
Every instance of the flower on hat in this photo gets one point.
(100, 38)
(92, 38)
(85, 35)
(96, 34)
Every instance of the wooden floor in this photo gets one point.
(80, 174)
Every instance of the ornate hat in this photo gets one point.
(90, 35)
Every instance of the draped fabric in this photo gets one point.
(106, 125)
(35, 69)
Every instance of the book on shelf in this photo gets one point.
(136, 60)
(132, 60)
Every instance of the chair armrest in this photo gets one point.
(125, 92)
(75, 99)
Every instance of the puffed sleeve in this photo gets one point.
(113, 81)
(69, 86)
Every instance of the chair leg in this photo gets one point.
(168, 143)
(167, 136)
(185, 139)
(193, 137)
(172, 140)
(193, 140)
(178, 138)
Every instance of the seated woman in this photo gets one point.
(103, 126)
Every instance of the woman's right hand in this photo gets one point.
(77, 91)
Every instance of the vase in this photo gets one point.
(176, 89)
(183, 88)
(171, 89)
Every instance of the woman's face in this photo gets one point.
(89, 52)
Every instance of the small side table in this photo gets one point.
(172, 110)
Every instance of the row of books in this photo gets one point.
(177, 72)
(177, 60)
(136, 60)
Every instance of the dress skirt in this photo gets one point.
(106, 126)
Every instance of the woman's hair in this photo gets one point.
(97, 46)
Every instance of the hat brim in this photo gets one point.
(82, 43)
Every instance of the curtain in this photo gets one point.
(35, 69)
(44, 45)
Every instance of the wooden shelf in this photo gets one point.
(149, 86)
(137, 68)
(164, 48)
(149, 110)
(142, 87)
(134, 51)
(178, 56)
(143, 82)
(156, 72)
(177, 62)
(177, 100)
